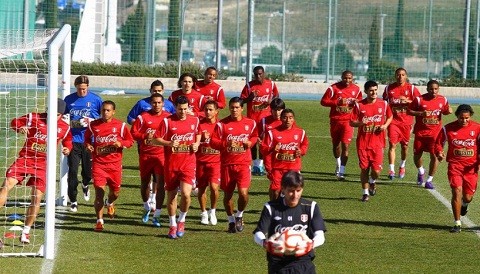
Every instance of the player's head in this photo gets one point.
(156, 101)
(292, 187)
(259, 74)
(347, 77)
(211, 109)
(276, 107)
(371, 89)
(401, 75)
(463, 113)
(236, 107)
(181, 106)
(433, 87)
(186, 81)
(288, 118)
(108, 110)
(156, 87)
(81, 83)
(210, 75)
(61, 105)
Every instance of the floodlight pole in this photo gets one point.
(219, 34)
(465, 37)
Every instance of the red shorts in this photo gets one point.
(341, 132)
(399, 134)
(276, 178)
(235, 176)
(22, 168)
(465, 177)
(208, 173)
(421, 144)
(110, 175)
(370, 158)
(173, 176)
(150, 165)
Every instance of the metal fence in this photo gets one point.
(314, 37)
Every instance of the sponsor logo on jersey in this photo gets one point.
(304, 217)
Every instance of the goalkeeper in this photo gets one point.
(290, 216)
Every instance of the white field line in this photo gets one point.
(48, 265)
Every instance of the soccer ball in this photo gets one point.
(294, 241)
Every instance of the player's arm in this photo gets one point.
(20, 124)
(253, 137)
(247, 95)
(318, 226)
(134, 112)
(440, 143)
(302, 150)
(216, 141)
(67, 143)
(266, 146)
(263, 225)
(327, 98)
(221, 101)
(413, 108)
(136, 132)
(88, 139)
(354, 118)
(127, 138)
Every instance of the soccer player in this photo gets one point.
(32, 160)
(179, 134)
(270, 122)
(234, 136)
(106, 138)
(284, 145)
(208, 165)
(83, 106)
(341, 97)
(428, 110)
(151, 160)
(462, 137)
(372, 116)
(291, 212)
(399, 95)
(258, 94)
(210, 89)
(186, 83)
(144, 104)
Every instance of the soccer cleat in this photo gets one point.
(146, 216)
(463, 210)
(365, 197)
(111, 211)
(340, 176)
(239, 224)
(156, 222)
(420, 179)
(401, 173)
(261, 171)
(429, 185)
(25, 238)
(99, 227)
(337, 170)
(256, 171)
(456, 229)
(231, 228)
(172, 232)
(372, 190)
(74, 207)
(180, 229)
(204, 218)
(86, 193)
(213, 218)
(391, 174)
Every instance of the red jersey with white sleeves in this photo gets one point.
(213, 90)
(144, 124)
(336, 92)
(462, 143)
(104, 135)
(392, 95)
(268, 123)
(205, 153)
(289, 140)
(229, 136)
(430, 125)
(259, 107)
(185, 131)
(195, 100)
(35, 146)
(373, 115)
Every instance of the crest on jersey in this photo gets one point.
(472, 133)
(380, 110)
(246, 127)
(295, 137)
(267, 90)
(114, 129)
(192, 127)
(440, 105)
(406, 92)
(353, 93)
(192, 100)
(304, 218)
(89, 104)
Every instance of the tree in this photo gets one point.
(270, 55)
(343, 59)
(373, 48)
(399, 36)
(173, 42)
(51, 14)
(133, 35)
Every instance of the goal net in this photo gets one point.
(29, 82)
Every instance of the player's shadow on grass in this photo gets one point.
(401, 225)
(130, 167)
(328, 198)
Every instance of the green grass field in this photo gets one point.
(403, 229)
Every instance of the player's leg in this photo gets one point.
(456, 206)
(185, 200)
(432, 169)
(336, 147)
(364, 180)
(159, 199)
(345, 136)
(228, 204)
(32, 213)
(98, 205)
(73, 160)
(391, 159)
(214, 194)
(275, 184)
(7, 185)
(145, 175)
(86, 172)
(201, 185)
(172, 212)
(417, 160)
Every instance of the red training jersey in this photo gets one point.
(268, 123)
(373, 115)
(289, 141)
(207, 154)
(104, 135)
(185, 131)
(145, 123)
(259, 107)
(213, 90)
(195, 100)
(430, 125)
(393, 94)
(462, 142)
(333, 95)
(229, 137)
(35, 146)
